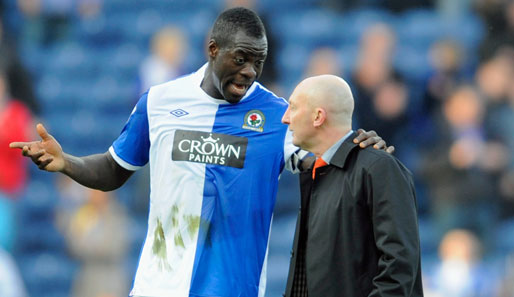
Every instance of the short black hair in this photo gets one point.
(232, 20)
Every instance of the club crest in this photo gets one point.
(254, 120)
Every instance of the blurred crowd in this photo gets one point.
(446, 104)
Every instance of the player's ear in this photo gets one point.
(212, 49)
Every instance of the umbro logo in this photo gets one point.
(179, 112)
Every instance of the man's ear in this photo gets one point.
(320, 115)
(212, 49)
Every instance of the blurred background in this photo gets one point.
(435, 78)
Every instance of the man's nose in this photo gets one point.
(249, 71)
(285, 117)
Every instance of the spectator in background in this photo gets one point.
(16, 123)
(378, 85)
(506, 180)
(462, 194)
(459, 272)
(15, 120)
(498, 16)
(97, 237)
(324, 60)
(168, 48)
(494, 79)
(18, 79)
(373, 68)
(46, 22)
(389, 104)
(446, 62)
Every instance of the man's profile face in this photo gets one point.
(299, 118)
(237, 65)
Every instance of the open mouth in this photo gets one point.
(238, 89)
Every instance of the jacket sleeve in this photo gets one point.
(392, 201)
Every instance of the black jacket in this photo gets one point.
(359, 220)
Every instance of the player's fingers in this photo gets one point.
(359, 136)
(369, 141)
(18, 145)
(36, 155)
(380, 145)
(390, 149)
(42, 164)
(363, 135)
(42, 132)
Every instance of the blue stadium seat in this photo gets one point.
(349, 57)
(292, 59)
(47, 272)
(34, 58)
(420, 28)
(285, 5)
(36, 236)
(309, 27)
(98, 32)
(124, 6)
(39, 198)
(412, 62)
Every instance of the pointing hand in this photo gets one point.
(47, 153)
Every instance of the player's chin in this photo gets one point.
(230, 97)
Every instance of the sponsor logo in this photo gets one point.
(209, 148)
(254, 120)
(179, 112)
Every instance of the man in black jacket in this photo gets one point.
(357, 231)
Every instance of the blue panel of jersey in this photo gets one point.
(238, 203)
(133, 144)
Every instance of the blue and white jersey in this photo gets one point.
(214, 174)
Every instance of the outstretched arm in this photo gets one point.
(98, 171)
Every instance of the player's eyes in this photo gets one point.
(239, 60)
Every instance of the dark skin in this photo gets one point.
(232, 69)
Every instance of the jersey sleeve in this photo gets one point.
(131, 149)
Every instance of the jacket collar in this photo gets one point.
(339, 158)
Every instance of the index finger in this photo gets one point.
(19, 145)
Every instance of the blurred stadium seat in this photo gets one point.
(47, 274)
(308, 27)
